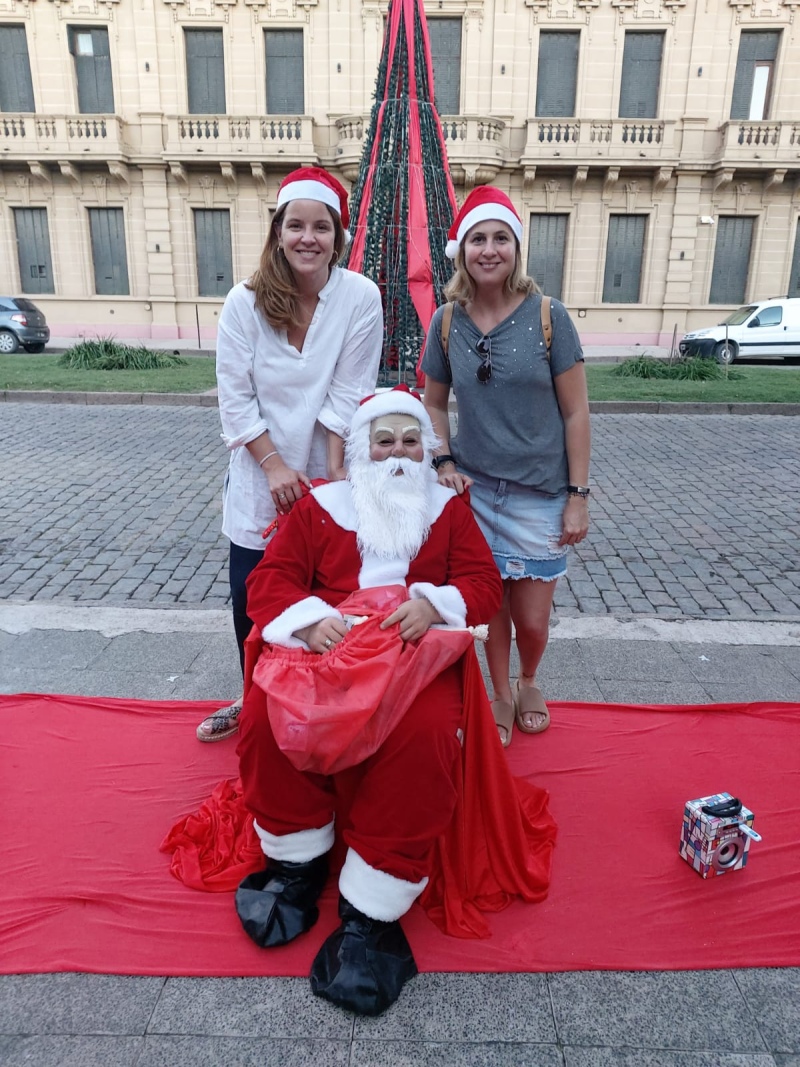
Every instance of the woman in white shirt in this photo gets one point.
(298, 346)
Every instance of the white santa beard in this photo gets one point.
(393, 510)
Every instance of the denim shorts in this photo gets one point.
(522, 527)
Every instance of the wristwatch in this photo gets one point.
(438, 461)
(579, 490)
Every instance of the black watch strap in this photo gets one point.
(579, 490)
(438, 461)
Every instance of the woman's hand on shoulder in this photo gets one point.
(285, 484)
(574, 521)
(450, 478)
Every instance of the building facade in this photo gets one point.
(652, 147)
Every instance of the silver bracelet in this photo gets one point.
(269, 455)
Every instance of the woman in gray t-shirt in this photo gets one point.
(523, 440)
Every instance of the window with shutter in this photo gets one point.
(624, 253)
(205, 72)
(16, 88)
(285, 76)
(109, 254)
(558, 74)
(33, 250)
(731, 260)
(755, 64)
(641, 75)
(445, 38)
(90, 51)
(212, 230)
(548, 238)
(794, 273)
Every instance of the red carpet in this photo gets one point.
(89, 787)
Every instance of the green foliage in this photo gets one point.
(105, 353)
(641, 367)
(694, 369)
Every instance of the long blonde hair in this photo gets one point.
(461, 287)
(273, 281)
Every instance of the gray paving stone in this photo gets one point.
(638, 1057)
(170, 653)
(773, 999)
(466, 1007)
(76, 1003)
(654, 1010)
(453, 1054)
(138, 685)
(627, 692)
(737, 692)
(70, 1051)
(241, 1052)
(54, 648)
(247, 1007)
(635, 661)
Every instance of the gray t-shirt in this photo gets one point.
(511, 426)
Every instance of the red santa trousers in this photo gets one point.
(403, 797)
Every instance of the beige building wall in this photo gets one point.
(158, 163)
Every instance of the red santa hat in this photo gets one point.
(314, 183)
(398, 401)
(482, 204)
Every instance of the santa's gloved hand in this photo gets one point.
(415, 618)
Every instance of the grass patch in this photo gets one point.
(754, 385)
(196, 375)
(105, 353)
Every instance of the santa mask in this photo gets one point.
(391, 487)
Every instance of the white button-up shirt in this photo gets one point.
(264, 383)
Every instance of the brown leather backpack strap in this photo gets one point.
(547, 325)
(447, 319)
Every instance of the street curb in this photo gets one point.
(209, 400)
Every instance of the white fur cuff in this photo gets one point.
(300, 847)
(375, 893)
(447, 600)
(304, 613)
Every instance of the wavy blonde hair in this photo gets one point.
(461, 287)
(273, 281)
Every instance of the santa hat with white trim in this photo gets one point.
(314, 183)
(398, 401)
(482, 204)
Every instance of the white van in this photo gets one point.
(766, 328)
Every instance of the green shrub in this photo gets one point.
(695, 369)
(105, 353)
(641, 367)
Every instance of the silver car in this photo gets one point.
(22, 325)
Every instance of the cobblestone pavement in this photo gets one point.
(692, 515)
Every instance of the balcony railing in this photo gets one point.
(63, 136)
(290, 136)
(477, 146)
(750, 140)
(575, 138)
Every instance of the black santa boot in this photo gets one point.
(278, 904)
(364, 964)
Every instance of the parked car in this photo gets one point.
(22, 324)
(765, 328)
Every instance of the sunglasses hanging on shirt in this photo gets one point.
(484, 350)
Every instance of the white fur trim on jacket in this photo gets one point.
(375, 893)
(447, 600)
(304, 613)
(300, 847)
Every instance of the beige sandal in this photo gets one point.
(528, 700)
(504, 719)
(223, 723)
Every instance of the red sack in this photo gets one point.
(333, 711)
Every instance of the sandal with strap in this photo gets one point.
(223, 723)
(504, 719)
(528, 700)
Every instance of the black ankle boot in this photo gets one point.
(278, 904)
(364, 964)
